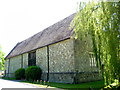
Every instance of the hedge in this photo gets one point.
(20, 73)
(33, 73)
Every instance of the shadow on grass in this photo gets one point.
(89, 85)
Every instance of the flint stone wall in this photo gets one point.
(84, 66)
(15, 63)
(69, 62)
(41, 61)
(61, 59)
(6, 67)
(25, 60)
(87, 77)
(61, 56)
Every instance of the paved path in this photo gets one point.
(13, 84)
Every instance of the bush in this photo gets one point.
(20, 73)
(33, 73)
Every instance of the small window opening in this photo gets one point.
(92, 60)
(32, 59)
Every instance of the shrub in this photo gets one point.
(20, 73)
(33, 73)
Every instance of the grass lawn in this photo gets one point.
(7, 78)
(95, 85)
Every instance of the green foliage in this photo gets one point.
(1, 60)
(101, 22)
(33, 73)
(115, 84)
(20, 73)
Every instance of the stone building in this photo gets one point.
(61, 58)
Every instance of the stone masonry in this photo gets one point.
(69, 62)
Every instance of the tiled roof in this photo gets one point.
(55, 33)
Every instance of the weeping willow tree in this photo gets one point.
(101, 22)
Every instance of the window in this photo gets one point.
(92, 59)
(32, 59)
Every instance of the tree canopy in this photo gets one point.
(1, 59)
(100, 21)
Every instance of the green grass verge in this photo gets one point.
(95, 85)
(7, 78)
